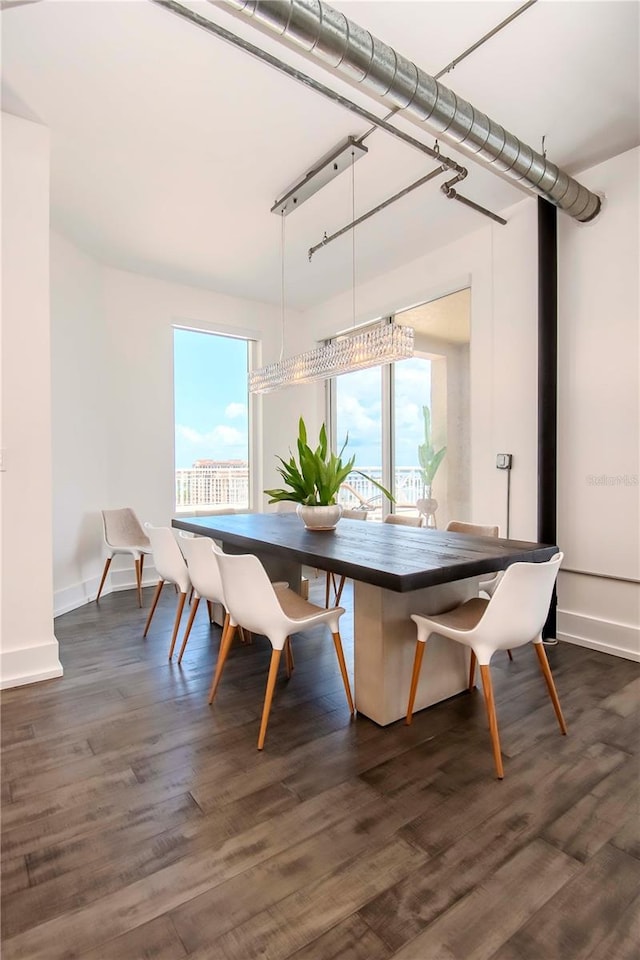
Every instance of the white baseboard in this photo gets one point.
(618, 639)
(77, 595)
(30, 664)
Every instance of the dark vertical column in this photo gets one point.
(547, 383)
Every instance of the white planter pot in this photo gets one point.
(319, 518)
(427, 507)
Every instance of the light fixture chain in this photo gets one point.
(282, 284)
(353, 240)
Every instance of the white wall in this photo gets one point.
(113, 404)
(28, 647)
(499, 265)
(81, 390)
(599, 424)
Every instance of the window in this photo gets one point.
(382, 412)
(412, 384)
(211, 421)
(358, 397)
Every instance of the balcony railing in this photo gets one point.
(229, 487)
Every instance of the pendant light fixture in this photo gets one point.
(383, 343)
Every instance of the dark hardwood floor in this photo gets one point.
(138, 822)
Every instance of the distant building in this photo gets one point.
(213, 483)
(210, 483)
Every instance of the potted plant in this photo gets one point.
(314, 480)
(430, 460)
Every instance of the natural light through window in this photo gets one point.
(409, 422)
(211, 421)
(359, 406)
(359, 417)
(412, 392)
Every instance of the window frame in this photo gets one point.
(387, 424)
(254, 423)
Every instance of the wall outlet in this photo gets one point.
(503, 461)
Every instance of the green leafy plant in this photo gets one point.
(428, 457)
(317, 476)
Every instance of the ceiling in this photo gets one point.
(169, 146)
(447, 318)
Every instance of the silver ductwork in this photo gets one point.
(337, 43)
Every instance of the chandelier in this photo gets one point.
(376, 345)
(371, 348)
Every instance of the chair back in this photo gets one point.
(248, 593)
(122, 528)
(474, 529)
(167, 558)
(403, 521)
(354, 514)
(516, 613)
(202, 565)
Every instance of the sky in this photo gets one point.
(210, 390)
(211, 404)
(359, 409)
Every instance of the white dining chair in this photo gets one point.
(514, 616)
(171, 568)
(204, 574)
(489, 584)
(206, 582)
(330, 583)
(253, 602)
(403, 521)
(123, 534)
(473, 529)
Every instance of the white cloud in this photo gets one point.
(220, 443)
(229, 436)
(189, 434)
(409, 416)
(234, 410)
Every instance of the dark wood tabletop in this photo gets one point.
(386, 555)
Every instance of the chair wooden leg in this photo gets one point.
(343, 670)
(104, 576)
(343, 580)
(141, 573)
(192, 616)
(156, 597)
(225, 646)
(472, 671)
(138, 564)
(510, 655)
(551, 687)
(291, 660)
(487, 686)
(181, 601)
(268, 697)
(417, 663)
(210, 610)
(287, 658)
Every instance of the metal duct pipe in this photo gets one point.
(328, 37)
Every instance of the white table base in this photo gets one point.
(385, 643)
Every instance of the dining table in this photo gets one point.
(396, 570)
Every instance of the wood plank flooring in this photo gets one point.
(138, 822)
